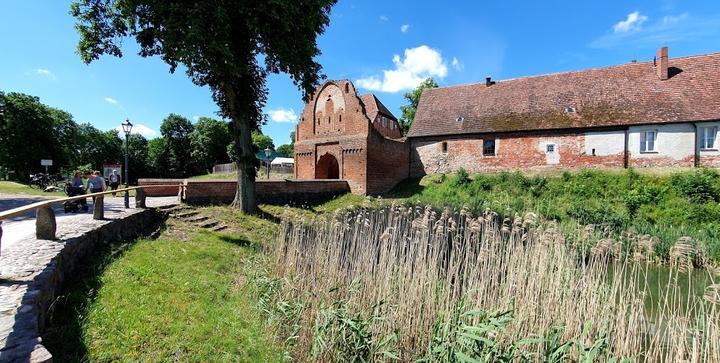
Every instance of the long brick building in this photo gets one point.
(665, 112)
(660, 113)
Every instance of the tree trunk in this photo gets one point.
(245, 193)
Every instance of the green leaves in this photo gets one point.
(413, 99)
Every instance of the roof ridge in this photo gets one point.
(575, 71)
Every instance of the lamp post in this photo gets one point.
(127, 127)
(268, 152)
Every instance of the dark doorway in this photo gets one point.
(327, 167)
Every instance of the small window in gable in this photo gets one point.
(347, 87)
(444, 147)
(339, 118)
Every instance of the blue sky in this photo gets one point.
(384, 47)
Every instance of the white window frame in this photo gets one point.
(705, 132)
(644, 141)
(550, 146)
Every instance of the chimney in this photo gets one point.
(661, 63)
(489, 82)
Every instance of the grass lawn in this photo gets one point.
(178, 298)
(8, 187)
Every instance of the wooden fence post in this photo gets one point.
(140, 198)
(45, 224)
(99, 207)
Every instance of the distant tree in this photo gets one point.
(262, 141)
(287, 150)
(31, 131)
(209, 142)
(96, 148)
(220, 44)
(176, 130)
(138, 158)
(413, 98)
(158, 158)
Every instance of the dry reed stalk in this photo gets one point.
(421, 264)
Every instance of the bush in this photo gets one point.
(700, 186)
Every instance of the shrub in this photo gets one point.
(700, 186)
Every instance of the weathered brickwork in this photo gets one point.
(273, 192)
(354, 138)
(512, 152)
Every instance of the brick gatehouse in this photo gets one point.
(342, 135)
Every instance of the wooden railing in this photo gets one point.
(45, 224)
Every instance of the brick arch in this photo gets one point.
(327, 167)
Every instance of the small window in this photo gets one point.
(444, 147)
(647, 141)
(339, 118)
(550, 148)
(707, 137)
(347, 87)
(593, 152)
(489, 147)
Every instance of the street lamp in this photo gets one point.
(268, 152)
(127, 127)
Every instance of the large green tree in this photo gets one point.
(262, 141)
(288, 149)
(413, 99)
(176, 130)
(159, 158)
(96, 148)
(228, 45)
(209, 142)
(137, 157)
(31, 131)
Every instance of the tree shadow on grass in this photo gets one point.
(406, 189)
(63, 334)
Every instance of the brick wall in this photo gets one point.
(162, 191)
(512, 152)
(272, 192)
(388, 163)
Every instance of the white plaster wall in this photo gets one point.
(675, 141)
(605, 143)
(551, 158)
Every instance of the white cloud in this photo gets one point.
(384, 18)
(45, 73)
(404, 28)
(633, 22)
(669, 29)
(140, 129)
(196, 118)
(111, 100)
(672, 19)
(456, 64)
(419, 64)
(283, 115)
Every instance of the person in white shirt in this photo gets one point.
(114, 180)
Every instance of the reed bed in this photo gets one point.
(410, 283)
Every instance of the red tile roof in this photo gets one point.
(373, 106)
(627, 94)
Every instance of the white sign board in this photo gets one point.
(46, 162)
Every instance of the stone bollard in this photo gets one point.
(140, 198)
(99, 207)
(45, 224)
